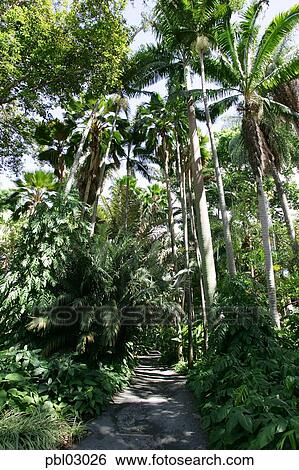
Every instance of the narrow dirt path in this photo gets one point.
(155, 412)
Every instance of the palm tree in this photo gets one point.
(91, 172)
(201, 46)
(243, 68)
(137, 158)
(112, 209)
(182, 23)
(287, 94)
(155, 123)
(119, 103)
(152, 64)
(201, 208)
(269, 131)
(56, 139)
(80, 157)
(33, 189)
(154, 209)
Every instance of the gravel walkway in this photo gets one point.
(155, 412)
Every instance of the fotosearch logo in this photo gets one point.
(109, 315)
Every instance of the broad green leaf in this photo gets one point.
(264, 437)
(15, 377)
(246, 422)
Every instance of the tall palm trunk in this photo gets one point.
(188, 288)
(101, 176)
(201, 207)
(80, 157)
(127, 186)
(286, 209)
(225, 220)
(199, 264)
(264, 220)
(93, 162)
(89, 179)
(170, 206)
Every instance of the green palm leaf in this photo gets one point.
(249, 32)
(277, 31)
(281, 75)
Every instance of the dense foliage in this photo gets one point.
(247, 387)
(139, 230)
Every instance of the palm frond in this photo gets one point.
(280, 27)
(249, 32)
(150, 64)
(218, 108)
(220, 71)
(227, 44)
(280, 109)
(282, 74)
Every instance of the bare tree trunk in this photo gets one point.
(170, 207)
(198, 259)
(201, 207)
(127, 187)
(222, 203)
(92, 164)
(296, 126)
(286, 209)
(80, 157)
(89, 179)
(188, 288)
(264, 220)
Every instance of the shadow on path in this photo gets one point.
(155, 412)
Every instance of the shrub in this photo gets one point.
(247, 388)
(59, 384)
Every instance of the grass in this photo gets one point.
(38, 430)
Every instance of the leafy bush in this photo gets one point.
(290, 331)
(181, 367)
(162, 339)
(34, 278)
(60, 384)
(39, 430)
(62, 291)
(247, 388)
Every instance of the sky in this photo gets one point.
(133, 14)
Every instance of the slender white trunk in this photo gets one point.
(201, 206)
(101, 177)
(222, 203)
(264, 220)
(80, 157)
(188, 288)
(170, 206)
(127, 187)
(93, 162)
(198, 259)
(286, 209)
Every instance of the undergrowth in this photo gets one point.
(43, 401)
(247, 387)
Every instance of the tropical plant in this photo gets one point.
(32, 190)
(246, 387)
(56, 148)
(167, 60)
(243, 69)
